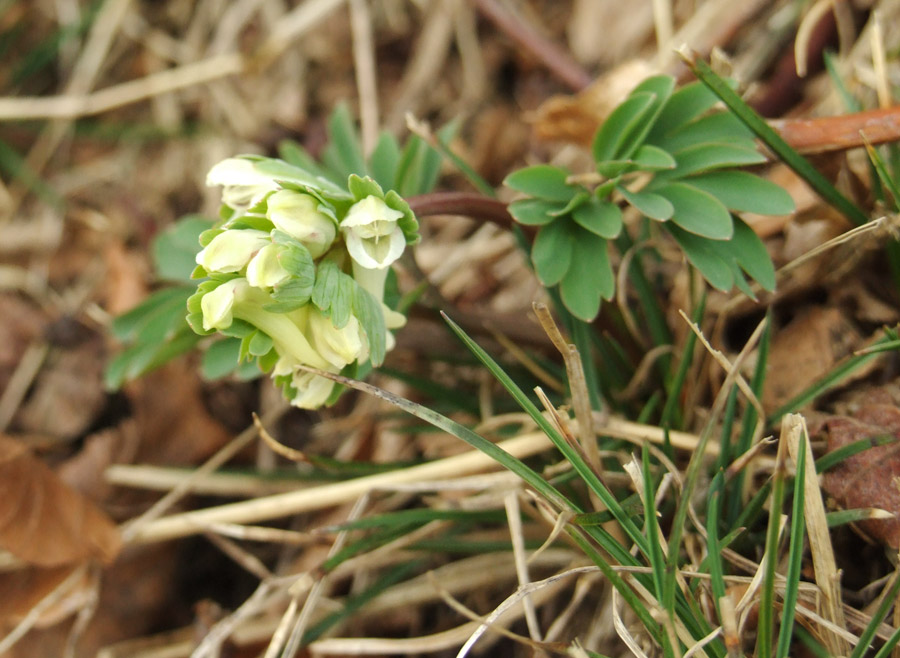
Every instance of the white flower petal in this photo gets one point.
(371, 211)
(217, 304)
(232, 249)
(243, 184)
(297, 215)
(265, 270)
(376, 253)
(340, 347)
(312, 390)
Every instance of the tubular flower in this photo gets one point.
(230, 251)
(244, 185)
(265, 270)
(293, 288)
(298, 215)
(372, 232)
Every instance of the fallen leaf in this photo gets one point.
(174, 424)
(804, 351)
(42, 520)
(867, 479)
(68, 394)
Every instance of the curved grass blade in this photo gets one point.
(774, 141)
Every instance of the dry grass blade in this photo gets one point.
(827, 576)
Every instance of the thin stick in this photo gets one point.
(329, 495)
(366, 78)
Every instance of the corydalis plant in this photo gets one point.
(668, 156)
(297, 272)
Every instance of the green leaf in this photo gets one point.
(744, 192)
(144, 357)
(714, 155)
(326, 284)
(661, 87)
(260, 343)
(534, 212)
(368, 312)
(362, 187)
(126, 327)
(333, 293)
(611, 141)
(344, 153)
(175, 249)
(384, 160)
(408, 223)
(294, 154)
(776, 143)
(715, 127)
(602, 218)
(589, 277)
(652, 158)
(551, 252)
(220, 359)
(684, 105)
(698, 211)
(650, 204)
(750, 253)
(705, 256)
(543, 182)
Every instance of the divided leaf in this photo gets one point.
(551, 252)
(743, 192)
(543, 182)
(698, 211)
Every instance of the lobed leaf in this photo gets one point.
(743, 192)
(654, 206)
(708, 260)
(368, 312)
(611, 140)
(698, 211)
(600, 217)
(534, 212)
(714, 155)
(551, 252)
(174, 249)
(542, 181)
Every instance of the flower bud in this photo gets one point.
(230, 250)
(339, 347)
(264, 270)
(312, 390)
(218, 303)
(298, 215)
(243, 184)
(372, 233)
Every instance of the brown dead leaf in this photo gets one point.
(866, 479)
(42, 520)
(804, 351)
(171, 416)
(23, 589)
(576, 118)
(68, 393)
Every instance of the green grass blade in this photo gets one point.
(868, 634)
(821, 185)
(606, 542)
(671, 411)
(766, 626)
(795, 557)
(714, 547)
(831, 459)
(578, 463)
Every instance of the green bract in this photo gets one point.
(671, 157)
(297, 270)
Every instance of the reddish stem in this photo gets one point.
(476, 206)
(841, 132)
